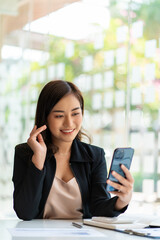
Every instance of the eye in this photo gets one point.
(74, 114)
(58, 116)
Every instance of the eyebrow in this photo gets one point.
(64, 111)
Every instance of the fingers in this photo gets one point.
(36, 135)
(127, 173)
(40, 138)
(124, 187)
(121, 179)
(115, 185)
(119, 187)
(35, 127)
(124, 184)
(35, 131)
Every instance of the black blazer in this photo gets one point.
(32, 186)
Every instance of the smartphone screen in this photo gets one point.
(120, 156)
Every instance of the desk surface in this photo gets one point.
(15, 223)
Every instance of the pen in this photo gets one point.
(136, 233)
(77, 225)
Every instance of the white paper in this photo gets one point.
(107, 143)
(60, 70)
(87, 63)
(96, 121)
(150, 95)
(34, 94)
(51, 72)
(69, 51)
(119, 140)
(136, 74)
(96, 139)
(109, 58)
(121, 55)
(136, 118)
(116, 220)
(108, 79)
(119, 98)
(108, 100)
(97, 81)
(148, 163)
(32, 110)
(149, 72)
(137, 29)
(34, 77)
(87, 120)
(99, 41)
(54, 232)
(83, 82)
(97, 101)
(136, 164)
(42, 75)
(149, 140)
(136, 140)
(136, 97)
(119, 119)
(150, 48)
(148, 187)
(122, 33)
(106, 118)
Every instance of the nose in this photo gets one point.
(67, 122)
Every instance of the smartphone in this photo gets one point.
(120, 156)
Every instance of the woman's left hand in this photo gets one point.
(125, 189)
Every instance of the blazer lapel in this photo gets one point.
(79, 153)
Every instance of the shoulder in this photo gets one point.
(91, 147)
(92, 150)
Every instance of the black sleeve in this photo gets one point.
(101, 202)
(28, 183)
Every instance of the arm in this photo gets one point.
(125, 189)
(101, 202)
(28, 176)
(28, 184)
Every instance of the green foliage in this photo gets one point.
(149, 13)
(138, 179)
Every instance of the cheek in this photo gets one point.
(79, 120)
(51, 122)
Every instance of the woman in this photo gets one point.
(56, 175)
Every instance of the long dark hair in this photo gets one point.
(50, 95)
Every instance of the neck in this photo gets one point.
(64, 148)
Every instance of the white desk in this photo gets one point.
(12, 223)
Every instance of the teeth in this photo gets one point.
(67, 131)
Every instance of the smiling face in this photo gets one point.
(65, 120)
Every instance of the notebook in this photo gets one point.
(115, 223)
(129, 225)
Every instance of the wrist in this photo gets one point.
(37, 161)
(120, 204)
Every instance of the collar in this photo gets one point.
(79, 152)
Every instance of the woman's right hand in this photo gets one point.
(38, 146)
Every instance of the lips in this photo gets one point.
(67, 131)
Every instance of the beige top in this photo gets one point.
(64, 200)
